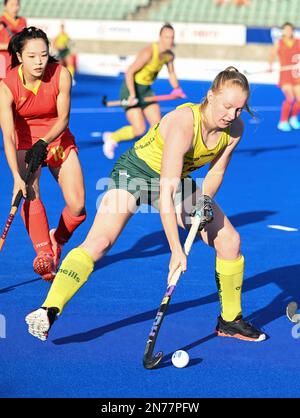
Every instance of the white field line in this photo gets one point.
(283, 228)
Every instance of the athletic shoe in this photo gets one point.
(40, 321)
(239, 329)
(295, 124)
(109, 146)
(56, 248)
(284, 126)
(43, 265)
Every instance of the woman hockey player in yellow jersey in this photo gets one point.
(155, 171)
(62, 44)
(137, 85)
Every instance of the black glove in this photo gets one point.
(204, 210)
(36, 155)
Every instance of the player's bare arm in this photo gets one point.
(177, 131)
(8, 130)
(215, 175)
(63, 106)
(141, 60)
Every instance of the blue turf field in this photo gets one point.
(96, 347)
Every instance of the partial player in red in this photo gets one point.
(34, 116)
(10, 24)
(287, 49)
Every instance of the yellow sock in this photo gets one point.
(71, 69)
(123, 134)
(229, 278)
(71, 276)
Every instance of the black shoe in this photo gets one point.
(239, 329)
(40, 321)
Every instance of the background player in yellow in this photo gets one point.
(62, 44)
(137, 85)
(155, 171)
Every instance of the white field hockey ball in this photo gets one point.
(180, 359)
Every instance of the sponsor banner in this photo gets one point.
(104, 65)
(265, 35)
(194, 33)
(259, 36)
(186, 68)
(191, 33)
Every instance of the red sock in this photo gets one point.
(285, 110)
(296, 109)
(35, 219)
(67, 225)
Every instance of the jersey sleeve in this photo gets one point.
(4, 36)
(11, 82)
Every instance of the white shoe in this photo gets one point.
(40, 321)
(284, 126)
(295, 124)
(109, 146)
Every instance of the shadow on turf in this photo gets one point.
(156, 243)
(143, 317)
(12, 287)
(193, 362)
(85, 144)
(167, 362)
(79, 94)
(253, 152)
(285, 278)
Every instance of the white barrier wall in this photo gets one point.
(186, 68)
(106, 30)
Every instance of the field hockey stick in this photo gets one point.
(281, 69)
(6, 28)
(149, 361)
(291, 312)
(14, 209)
(150, 99)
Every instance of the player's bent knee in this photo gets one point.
(229, 245)
(33, 192)
(235, 244)
(76, 206)
(139, 130)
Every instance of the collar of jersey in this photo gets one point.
(289, 42)
(35, 89)
(10, 19)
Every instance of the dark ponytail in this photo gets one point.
(18, 41)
